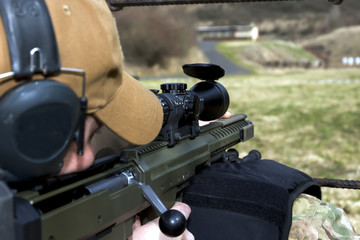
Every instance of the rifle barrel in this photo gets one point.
(338, 183)
(119, 4)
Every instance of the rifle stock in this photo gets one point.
(100, 203)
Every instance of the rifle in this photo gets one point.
(116, 5)
(103, 201)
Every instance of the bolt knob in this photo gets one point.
(172, 223)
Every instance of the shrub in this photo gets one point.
(150, 36)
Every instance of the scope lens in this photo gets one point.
(216, 99)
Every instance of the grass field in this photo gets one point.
(253, 54)
(309, 120)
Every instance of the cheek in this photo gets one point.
(91, 150)
(69, 159)
(89, 155)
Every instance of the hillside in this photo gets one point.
(322, 51)
(267, 54)
(342, 42)
(288, 20)
(153, 48)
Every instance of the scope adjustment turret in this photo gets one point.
(174, 88)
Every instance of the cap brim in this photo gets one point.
(134, 113)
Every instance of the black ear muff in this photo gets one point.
(37, 124)
(38, 119)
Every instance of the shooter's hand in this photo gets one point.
(152, 231)
(226, 115)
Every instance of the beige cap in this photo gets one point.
(87, 39)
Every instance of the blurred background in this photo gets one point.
(292, 67)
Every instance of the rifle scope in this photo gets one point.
(207, 100)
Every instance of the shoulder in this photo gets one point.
(316, 219)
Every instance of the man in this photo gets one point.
(87, 39)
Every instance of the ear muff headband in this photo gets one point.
(31, 38)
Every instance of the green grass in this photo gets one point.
(294, 51)
(250, 54)
(229, 50)
(311, 126)
(303, 123)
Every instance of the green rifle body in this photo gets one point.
(104, 205)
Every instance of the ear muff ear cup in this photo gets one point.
(38, 120)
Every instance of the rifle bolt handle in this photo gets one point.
(172, 223)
